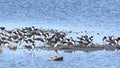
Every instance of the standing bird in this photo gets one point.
(104, 40)
(113, 40)
(90, 39)
(55, 48)
(1, 29)
(71, 42)
(30, 48)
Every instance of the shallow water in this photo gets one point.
(22, 59)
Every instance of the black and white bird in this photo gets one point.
(31, 49)
(113, 40)
(104, 40)
(2, 29)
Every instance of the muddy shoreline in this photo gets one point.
(82, 48)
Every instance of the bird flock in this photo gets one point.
(28, 36)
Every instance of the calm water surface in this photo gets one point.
(22, 59)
